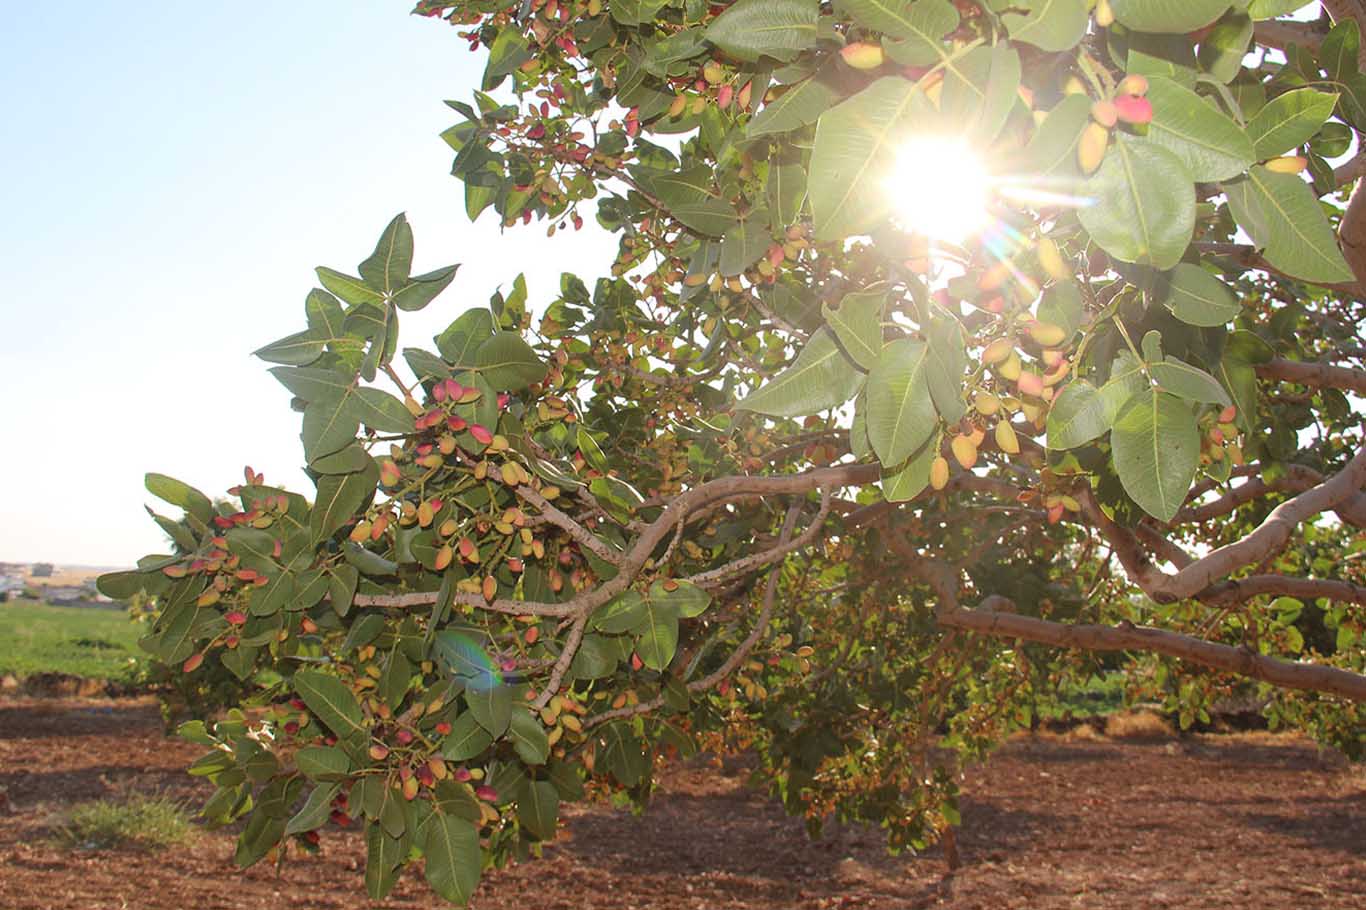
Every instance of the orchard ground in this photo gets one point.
(1138, 818)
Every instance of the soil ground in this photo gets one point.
(1080, 820)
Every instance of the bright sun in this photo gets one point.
(940, 188)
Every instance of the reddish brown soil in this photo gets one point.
(1245, 820)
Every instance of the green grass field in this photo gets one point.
(83, 641)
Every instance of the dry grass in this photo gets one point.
(64, 576)
(1138, 725)
(1083, 733)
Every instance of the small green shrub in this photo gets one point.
(137, 820)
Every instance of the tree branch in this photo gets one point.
(581, 535)
(1281, 35)
(991, 618)
(1269, 538)
(1241, 589)
(996, 616)
(1316, 375)
(740, 652)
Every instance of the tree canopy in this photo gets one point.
(790, 474)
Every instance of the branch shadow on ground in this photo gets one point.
(744, 834)
(1333, 824)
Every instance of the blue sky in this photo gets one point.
(171, 181)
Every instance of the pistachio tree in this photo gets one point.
(795, 472)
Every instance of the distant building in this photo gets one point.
(42, 570)
(66, 594)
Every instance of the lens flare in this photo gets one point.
(940, 188)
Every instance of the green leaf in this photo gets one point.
(621, 753)
(1283, 218)
(341, 587)
(333, 702)
(491, 706)
(340, 497)
(635, 12)
(388, 266)
(785, 189)
(857, 323)
(315, 810)
(1339, 51)
(1222, 50)
(329, 425)
(821, 377)
(121, 585)
(1126, 380)
(466, 740)
(508, 362)
(800, 105)
(751, 29)
(393, 682)
(509, 50)
(1077, 416)
(528, 737)
(1239, 377)
(907, 480)
(423, 289)
(854, 152)
(349, 460)
(678, 47)
(325, 314)
(322, 762)
(538, 805)
(1167, 16)
(1062, 306)
(380, 411)
(945, 364)
(1052, 150)
(918, 28)
(1209, 143)
(1171, 56)
(1198, 298)
(1050, 25)
(980, 91)
(262, 832)
(1143, 207)
(1156, 447)
(454, 858)
(352, 290)
(686, 599)
(659, 638)
(462, 338)
(901, 414)
(596, 658)
(299, 349)
(456, 799)
(689, 197)
(1188, 382)
(745, 243)
(1289, 120)
(426, 365)
(180, 494)
(180, 535)
(313, 383)
(368, 561)
(383, 854)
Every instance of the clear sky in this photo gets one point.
(172, 175)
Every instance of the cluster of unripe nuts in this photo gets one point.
(1128, 105)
